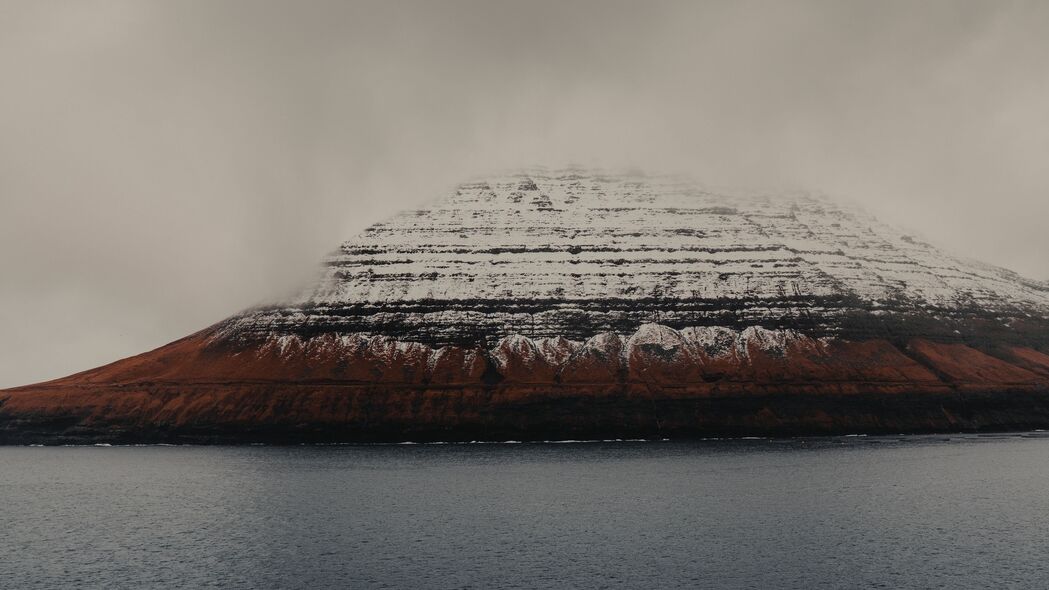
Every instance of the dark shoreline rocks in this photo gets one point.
(578, 418)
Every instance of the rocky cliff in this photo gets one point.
(570, 304)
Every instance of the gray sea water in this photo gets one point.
(896, 512)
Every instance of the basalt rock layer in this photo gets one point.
(573, 305)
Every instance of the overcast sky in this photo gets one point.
(166, 164)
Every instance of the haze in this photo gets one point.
(166, 164)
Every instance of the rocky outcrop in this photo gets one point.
(579, 305)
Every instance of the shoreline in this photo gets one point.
(857, 437)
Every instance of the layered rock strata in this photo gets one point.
(556, 305)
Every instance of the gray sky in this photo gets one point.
(166, 164)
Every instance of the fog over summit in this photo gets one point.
(573, 253)
(166, 164)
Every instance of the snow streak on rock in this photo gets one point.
(521, 358)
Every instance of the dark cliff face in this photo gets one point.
(571, 305)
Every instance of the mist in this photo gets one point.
(166, 164)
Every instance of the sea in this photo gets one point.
(946, 511)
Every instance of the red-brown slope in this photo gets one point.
(1030, 359)
(351, 388)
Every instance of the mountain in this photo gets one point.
(573, 304)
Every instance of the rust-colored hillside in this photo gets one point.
(657, 383)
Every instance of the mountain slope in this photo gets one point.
(570, 304)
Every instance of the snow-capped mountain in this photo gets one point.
(572, 304)
(572, 254)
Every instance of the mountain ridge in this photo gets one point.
(571, 304)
